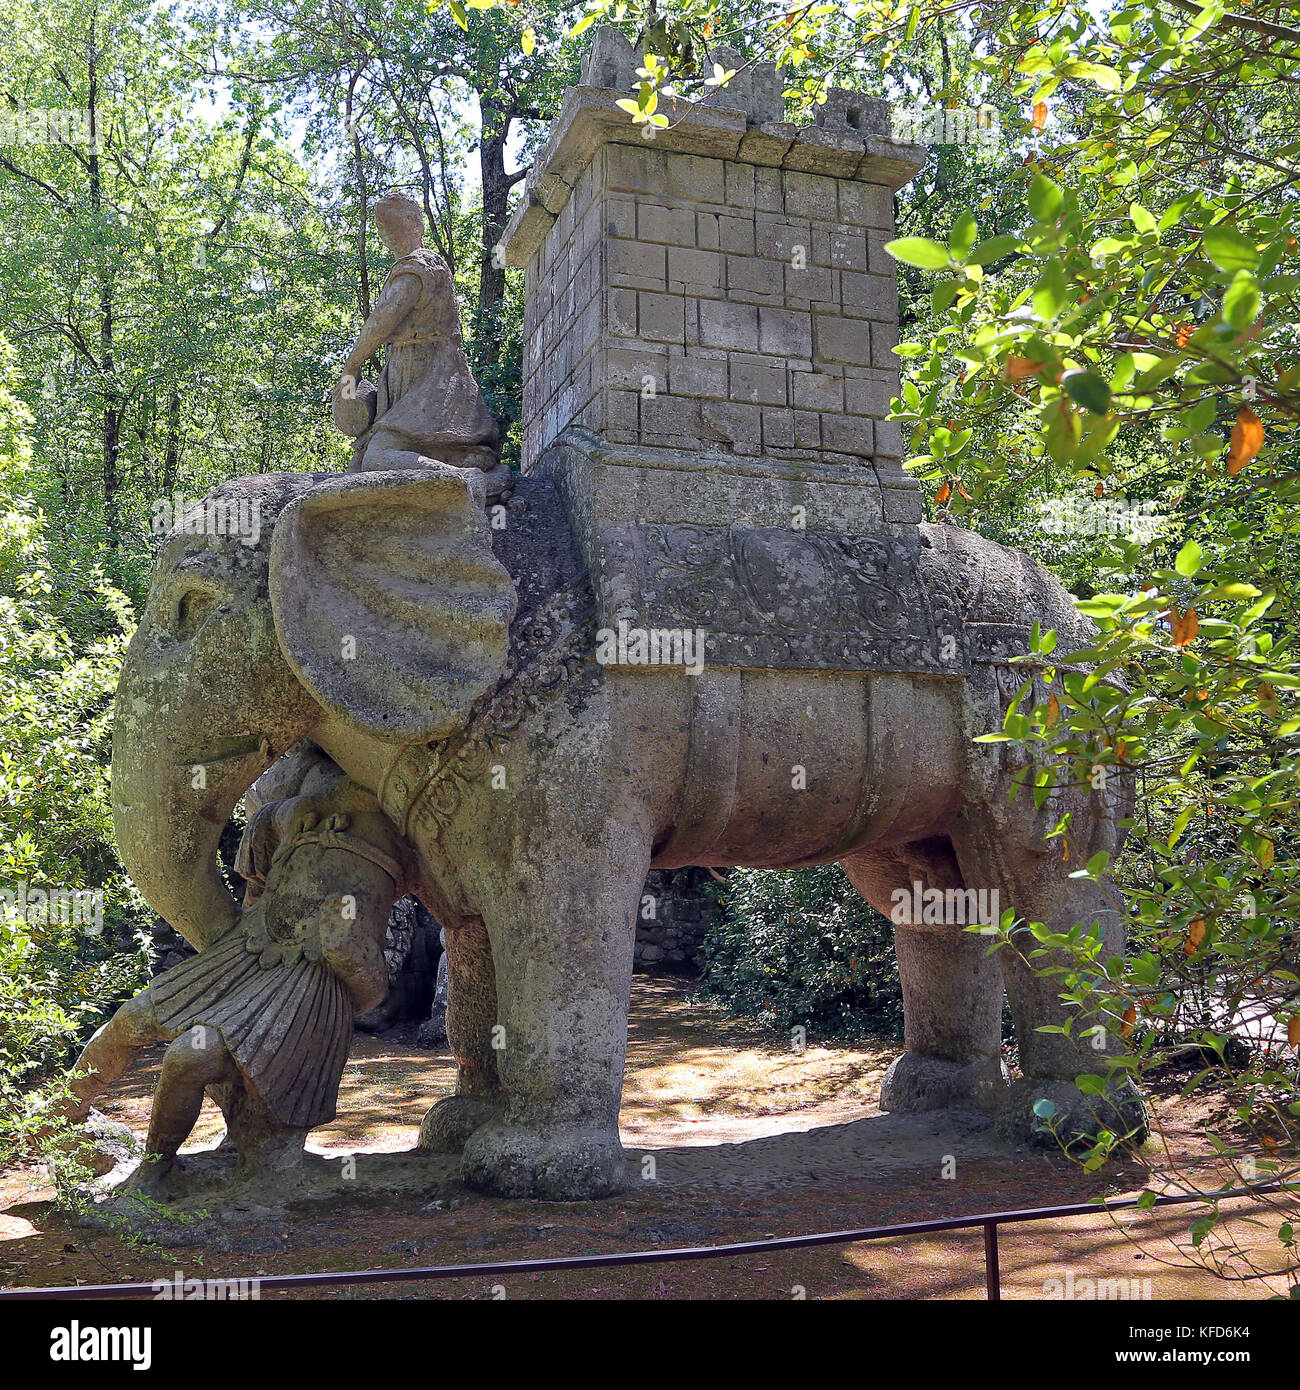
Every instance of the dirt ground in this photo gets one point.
(749, 1139)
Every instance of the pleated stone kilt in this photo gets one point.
(288, 1027)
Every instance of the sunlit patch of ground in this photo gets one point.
(697, 1077)
(750, 1139)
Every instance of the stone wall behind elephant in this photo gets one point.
(675, 916)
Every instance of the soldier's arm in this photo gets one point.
(394, 304)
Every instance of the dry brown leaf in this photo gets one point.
(1184, 626)
(1018, 368)
(1195, 935)
(1246, 441)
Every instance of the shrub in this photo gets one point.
(57, 978)
(799, 946)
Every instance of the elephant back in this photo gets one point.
(1000, 592)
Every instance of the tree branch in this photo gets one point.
(1265, 27)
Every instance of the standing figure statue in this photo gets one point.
(264, 1015)
(427, 408)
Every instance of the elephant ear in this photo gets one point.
(389, 604)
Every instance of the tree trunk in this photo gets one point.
(496, 199)
(112, 431)
(363, 198)
(172, 452)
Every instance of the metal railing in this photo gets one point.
(989, 1221)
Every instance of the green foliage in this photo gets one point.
(801, 947)
(57, 977)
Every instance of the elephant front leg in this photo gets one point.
(952, 989)
(471, 1019)
(562, 939)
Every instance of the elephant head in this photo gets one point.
(368, 604)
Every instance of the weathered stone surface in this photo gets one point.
(764, 256)
(773, 597)
(426, 408)
(433, 1031)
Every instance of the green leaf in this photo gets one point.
(1241, 303)
(1105, 78)
(993, 249)
(1190, 558)
(1091, 1085)
(1228, 249)
(1153, 376)
(1063, 432)
(1050, 292)
(918, 251)
(458, 14)
(962, 237)
(1045, 198)
(944, 294)
(1180, 824)
(1088, 389)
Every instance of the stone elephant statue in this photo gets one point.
(450, 668)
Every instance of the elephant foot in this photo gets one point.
(156, 1179)
(569, 1163)
(1052, 1113)
(447, 1126)
(916, 1082)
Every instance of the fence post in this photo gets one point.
(992, 1273)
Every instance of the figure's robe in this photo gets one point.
(428, 401)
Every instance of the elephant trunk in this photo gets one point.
(170, 806)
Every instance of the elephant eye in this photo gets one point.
(191, 608)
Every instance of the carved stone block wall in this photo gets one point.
(681, 300)
(708, 365)
(682, 914)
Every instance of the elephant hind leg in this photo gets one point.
(952, 990)
(471, 1017)
(1007, 854)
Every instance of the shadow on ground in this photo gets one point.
(748, 1139)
